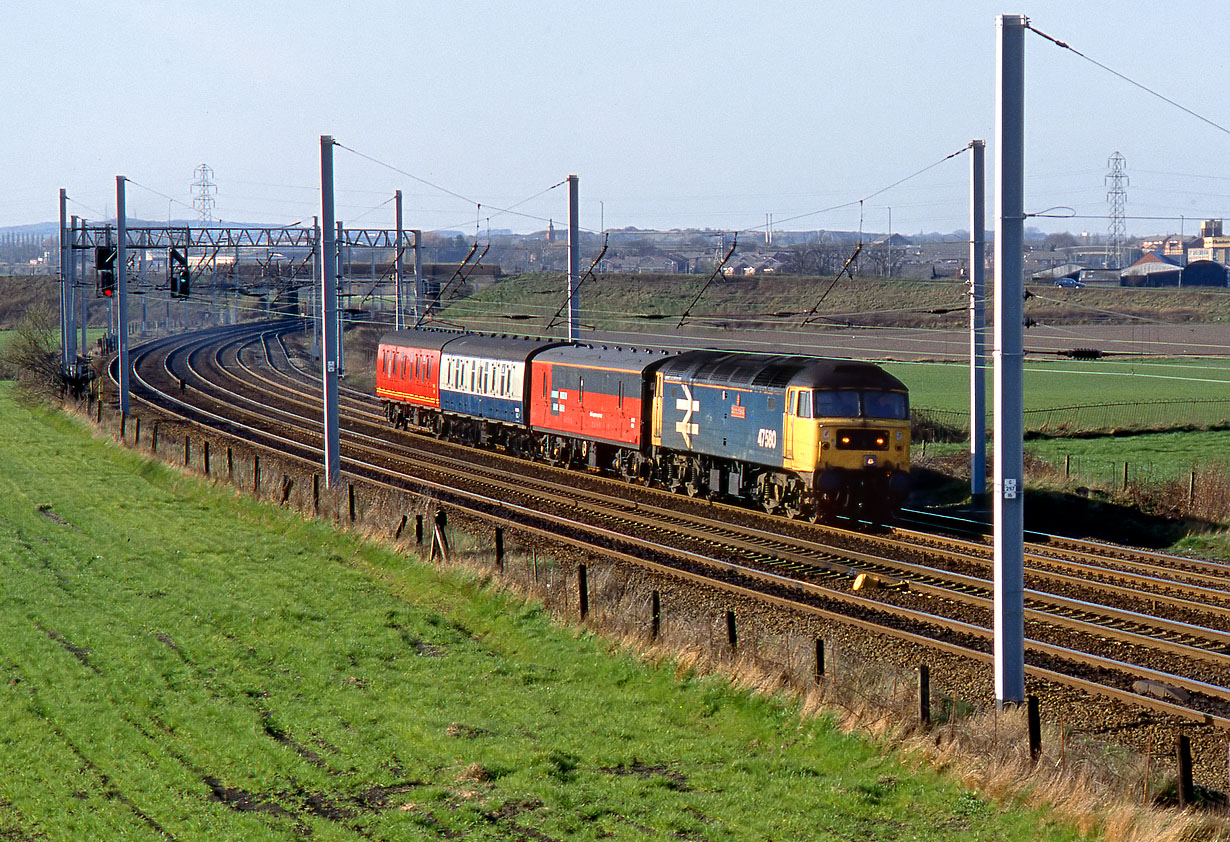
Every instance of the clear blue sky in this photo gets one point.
(673, 114)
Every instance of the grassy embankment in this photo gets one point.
(176, 659)
(622, 302)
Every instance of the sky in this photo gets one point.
(673, 114)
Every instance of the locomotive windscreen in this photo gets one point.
(851, 403)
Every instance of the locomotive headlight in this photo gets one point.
(870, 461)
(880, 441)
(845, 439)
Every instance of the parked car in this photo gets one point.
(1071, 283)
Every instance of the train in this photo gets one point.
(801, 436)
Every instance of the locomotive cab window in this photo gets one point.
(893, 405)
(843, 403)
(802, 407)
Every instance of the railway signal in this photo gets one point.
(104, 264)
(181, 277)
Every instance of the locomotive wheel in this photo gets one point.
(625, 464)
(768, 494)
(794, 503)
(693, 484)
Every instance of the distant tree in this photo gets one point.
(882, 260)
(31, 357)
(1061, 240)
(821, 256)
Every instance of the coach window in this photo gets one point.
(621, 394)
(581, 390)
(803, 409)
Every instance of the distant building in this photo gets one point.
(1171, 245)
(1204, 273)
(1064, 270)
(1152, 270)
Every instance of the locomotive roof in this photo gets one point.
(618, 357)
(723, 368)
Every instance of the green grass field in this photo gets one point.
(1057, 383)
(178, 661)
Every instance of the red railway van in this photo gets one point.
(408, 366)
(593, 392)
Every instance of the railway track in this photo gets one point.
(1098, 622)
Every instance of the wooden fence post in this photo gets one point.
(1187, 794)
(924, 695)
(819, 659)
(439, 541)
(499, 548)
(655, 614)
(583, 588)
(1035, 729)
(732, 636)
